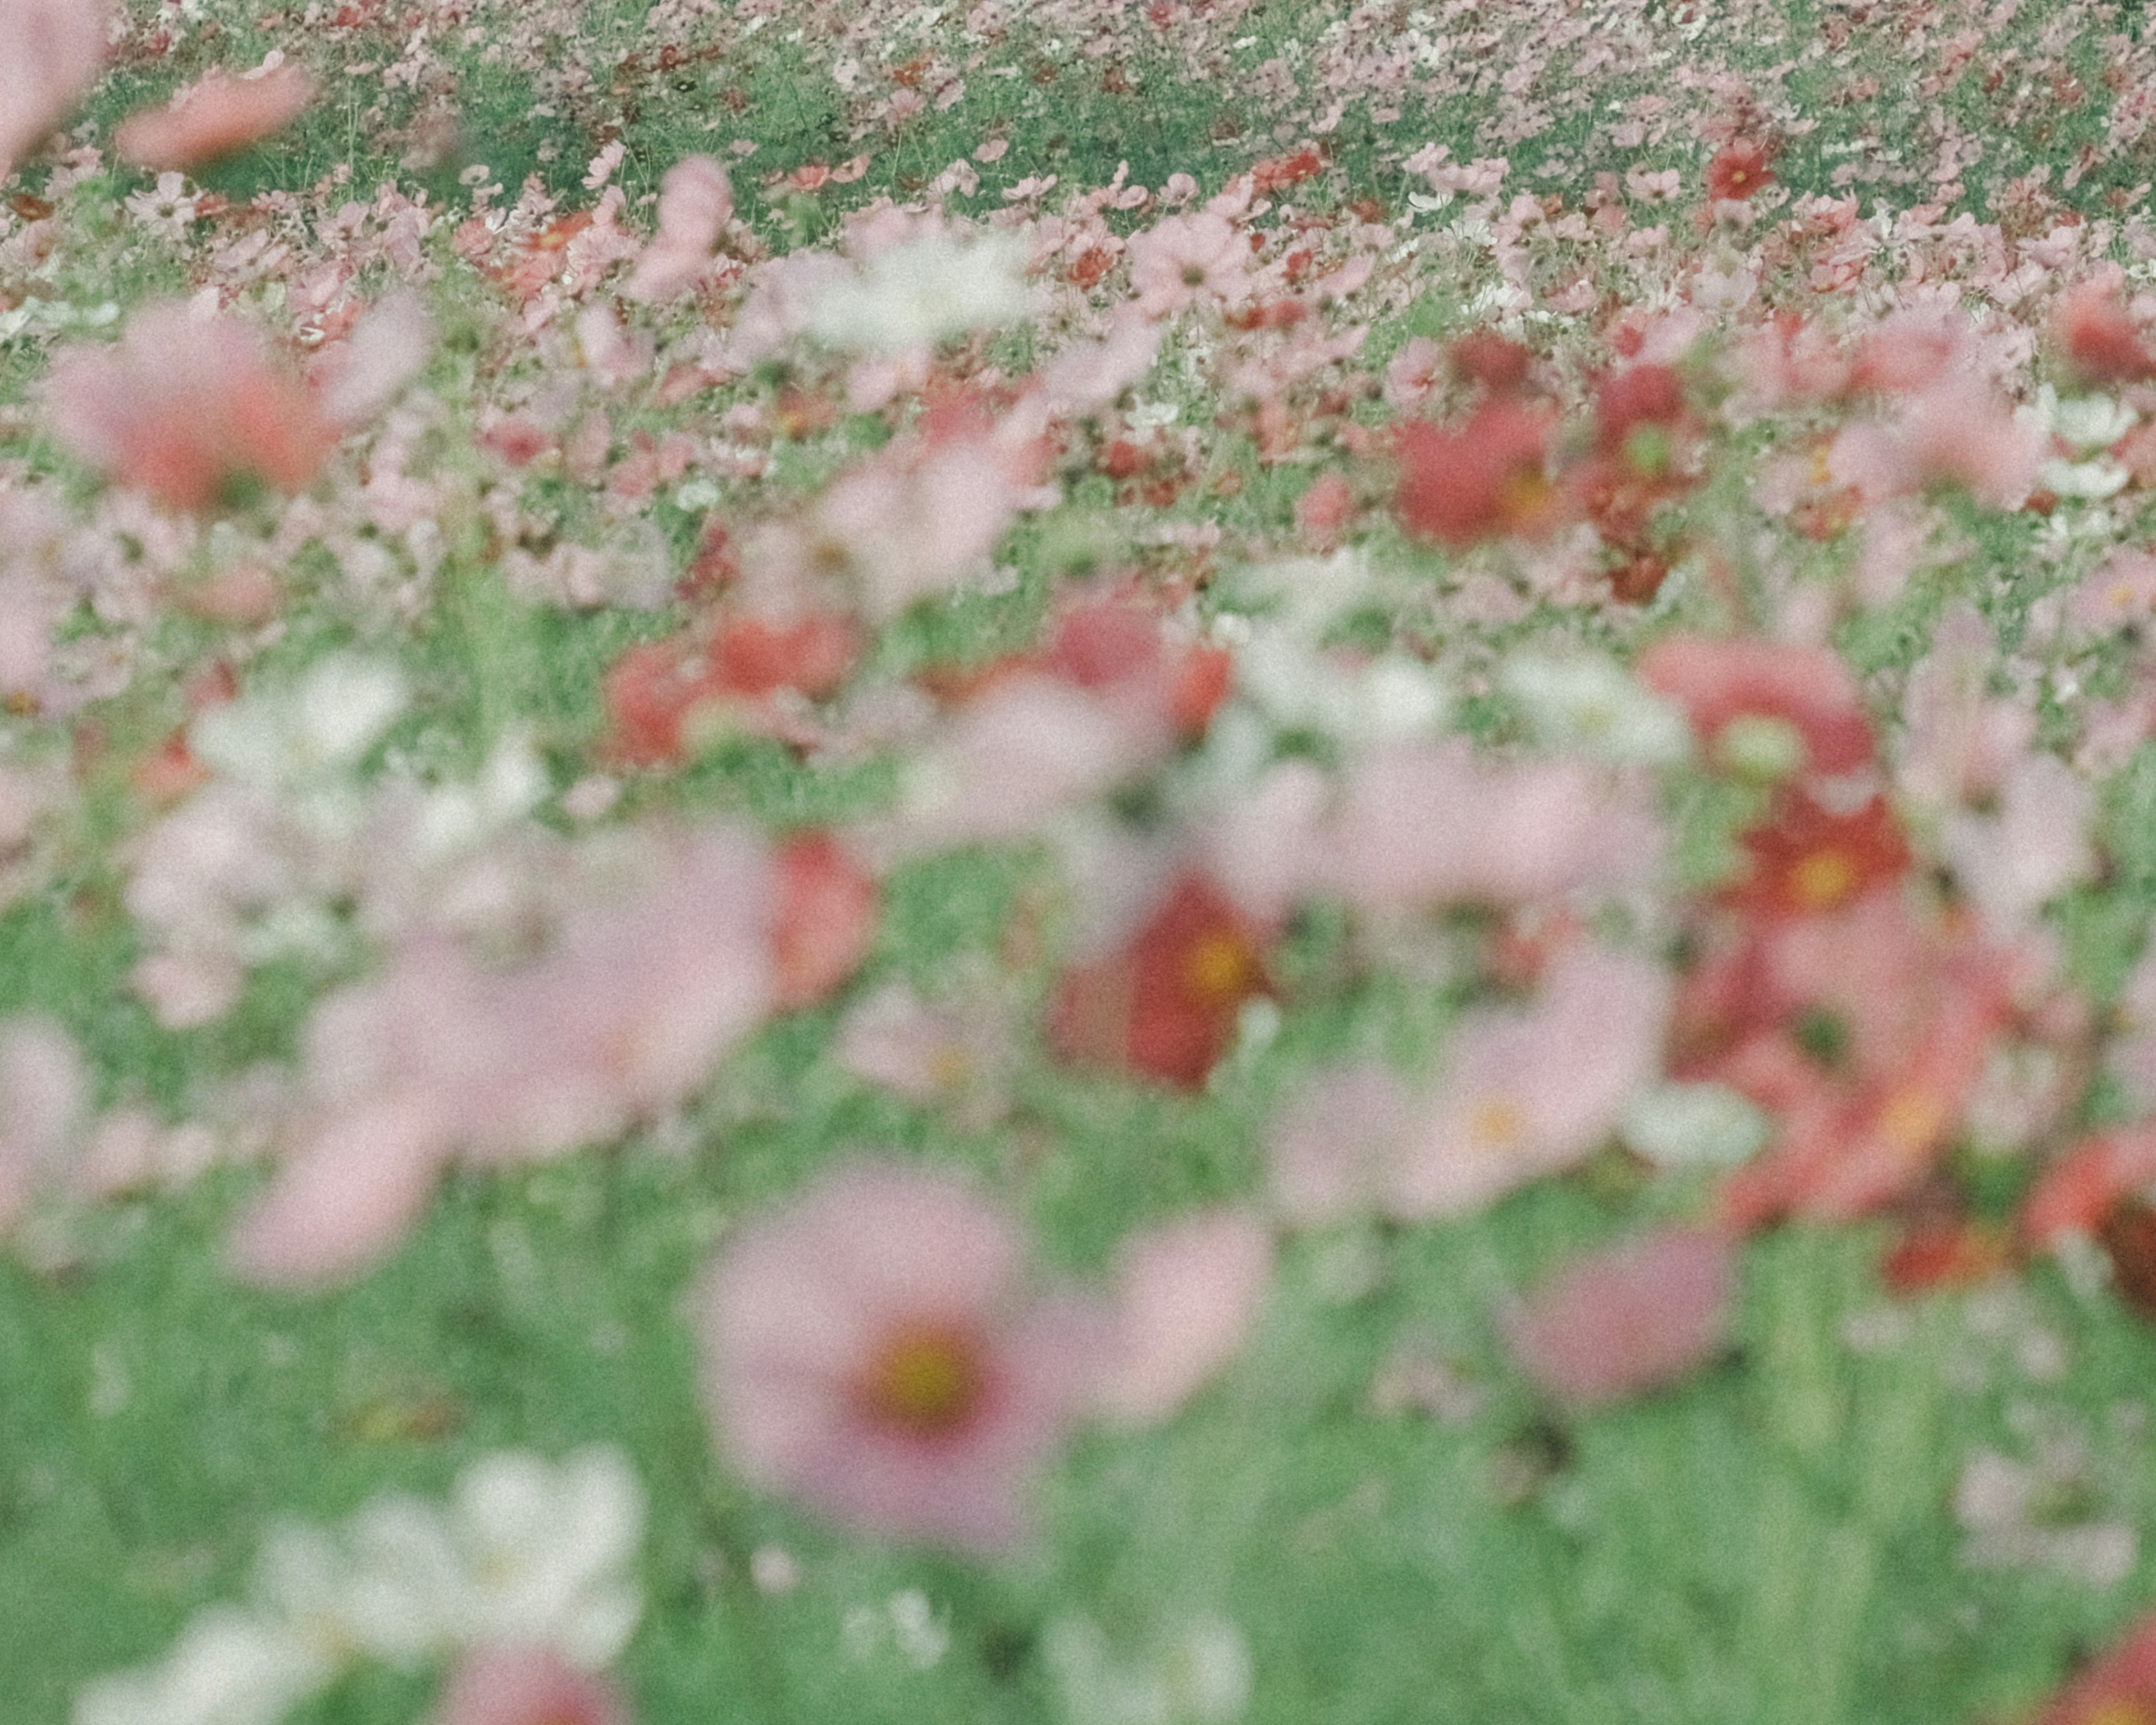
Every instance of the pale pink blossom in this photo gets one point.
(696, 203)
(1420, 826)
(1627, 1318)
(1185, 260)
(1952, 431)
(51, 51)
(1331, 1148)
(526, 1685)
(45, 1089)
(876, 1350)
(188, 409)
(2120, 595)
(959, 1054)
(440, 1057)
(1187, 1295)
(214, 118)
(1525, 1094)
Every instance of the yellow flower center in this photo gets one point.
(1823, 879)
(1220, 967)
(1496, 1125)
(927, 1380)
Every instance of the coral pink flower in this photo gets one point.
(1527, 1094)
(662, 698)
(1165, 1004)
(1186, 259)
(1627, 1318)
(1739, 170)
(216, 117)
(188, 409)
(875, 1351)
(50, 53)
(2078, 1190)
(2100, 338)
(1808, 689)
(1186, 1296)
(827, 910)
(1487, 479)
(696, 203)
(2119, 1688)
(500, 1686)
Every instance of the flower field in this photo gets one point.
(1121, 864)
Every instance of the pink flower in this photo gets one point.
(502, 1685)
(1627, 1318)
(1528, 1094)
(439, 1056)
(696, 203)
(1422, 826)
(216, 117)
(1331, 1147)
(45, 1089)
(1952, 431)
(1186, 1296)
(188, 409)
(51, 51)
(874, 1351)
(1719, 681)
(1185, 259)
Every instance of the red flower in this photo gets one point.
(1487, 479)
(2119, 1689)
(1739, 169)
(659, 694)
(1807, 860)
(1165, 1005)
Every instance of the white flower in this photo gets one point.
(1591, 704)
(548, 1551)
(1694, 1126)
(230, 1667)
(323, 727)
(1199, 1674)
(1300, 688)
(920, 292)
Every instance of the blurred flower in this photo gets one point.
(1187, 1293)
(696, 203)
(229, 1667)
(918, 292)
(875, 1351)
(1594, 705)
(1525, 1094)
(189, 410)
(215, 117)
(51, 51)
(496, 1686)
(1194, 1673)
(1627, 1318)
(2118, 1688)
(1484, 480)
(1165, 1003)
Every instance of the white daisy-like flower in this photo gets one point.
(1694, 1126)
(1591, 704)
(316, 730)
(229, 1667)
(916, 294)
